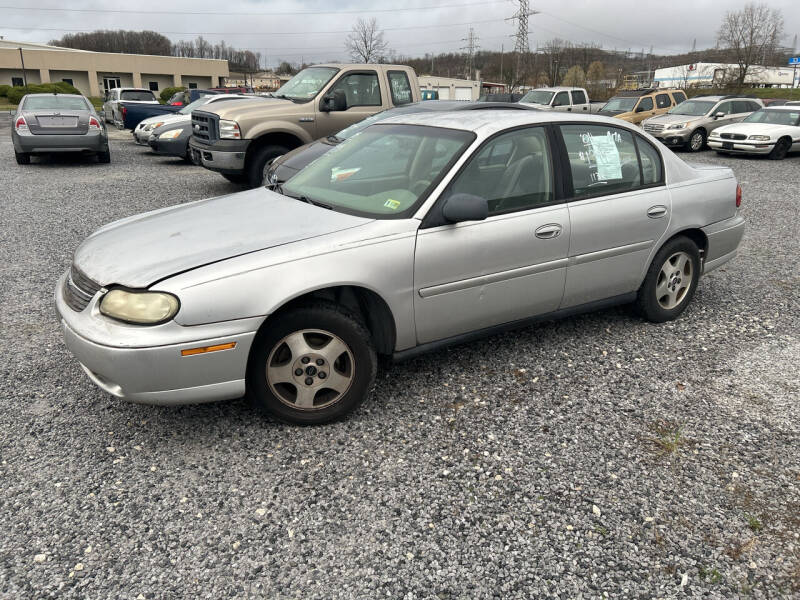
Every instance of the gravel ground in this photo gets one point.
(596, 456)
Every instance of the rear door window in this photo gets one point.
(663, 101)
(578, 97)
(400, 88)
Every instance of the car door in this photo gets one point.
(561, 102)
(579, 101)
(363, 92)
(619, 208)
(644, 109)
(510, 266)
(726, 113)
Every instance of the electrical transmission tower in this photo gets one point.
(471, 47)
(521, 46)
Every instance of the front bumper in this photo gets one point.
(144, 363)
(674, 137)
(140, 136)
(741, 147)
(226, 156)
(93, 141)
(174, 147)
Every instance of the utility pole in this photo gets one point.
(472, 44)
(502, 48)
(24, 74)
(521, 46)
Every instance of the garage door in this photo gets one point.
(463, 93)
(444, 93)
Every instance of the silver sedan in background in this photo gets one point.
(50, 123)
(421, 231)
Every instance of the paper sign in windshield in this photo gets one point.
(606, 157)
(339, 174)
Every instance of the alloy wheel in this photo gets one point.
(310, 369)
(674, 280)
(697, 141)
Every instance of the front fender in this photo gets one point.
(284, 127)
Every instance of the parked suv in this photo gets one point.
(567, 99)
(690, 123)
(637, 105)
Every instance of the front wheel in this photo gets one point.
(104, 157)
(313, 365)
(23, 158)
(696, 141)
(780, 150)
(260, 162)
(670, 282)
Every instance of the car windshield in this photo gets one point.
(137, 95)
(55, 103)
(382, 172)
(621, 104)
(306, 84)
(692, 108)
(538, 97)
(775, 117)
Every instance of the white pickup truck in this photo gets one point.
(567, 99)
(112, 112)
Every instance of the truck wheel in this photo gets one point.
(23, 158)
(312, 365)
(696, 141)
(670, 282)
(260, 162)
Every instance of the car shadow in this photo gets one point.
(64, 158)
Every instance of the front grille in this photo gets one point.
(79, 289)
(653, 127)
(733, 136)
(204, 126)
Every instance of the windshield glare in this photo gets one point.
(538, 97)
(307, 83)
(382, 171)
(692, 108)
(55, 103)
(621, 104)
(187, 110)
(775, 117)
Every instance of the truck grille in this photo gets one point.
(733, 136)
(78, 289)
(204, 126)
(653, 127)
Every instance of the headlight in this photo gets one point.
(759, 138)
(677, 126)
(229, 130)
(139, 307)
(170, 135)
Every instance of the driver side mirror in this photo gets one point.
(719, 114)
(465, 207)
(639, 109)
(334, 101)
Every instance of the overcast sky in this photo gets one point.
(670, 26)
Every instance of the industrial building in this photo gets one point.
(94, 72)
(718, 74)
(449, 88)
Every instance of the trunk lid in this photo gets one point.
(57, 122)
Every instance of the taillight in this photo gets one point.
(738, 196)
(20, 122)
(94, 123)
(124, 112)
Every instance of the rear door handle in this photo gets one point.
(548, 232)
(656, 212)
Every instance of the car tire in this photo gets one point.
(104, 157)
(299, 353)
(238, 178)
(780, 150)
(257, 164)
(23, 158)
(671, 281)
(696, 141)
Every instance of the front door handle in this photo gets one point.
(548, 232)
(656, 212)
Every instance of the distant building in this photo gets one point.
(262, 80)
(451, 89)
(94, 72)
(718, 74)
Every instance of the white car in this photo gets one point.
(774, 131)
(143, 131)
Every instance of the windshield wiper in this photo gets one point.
(305, 199)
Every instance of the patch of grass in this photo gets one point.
(711, 575)
(737, 549)
(601, 530)
(754, 524)
(669, 437)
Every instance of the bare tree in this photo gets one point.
(365, 42)
(752, 35)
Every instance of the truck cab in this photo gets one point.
(240, 141)
(566, 99)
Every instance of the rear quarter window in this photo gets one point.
(678, 97)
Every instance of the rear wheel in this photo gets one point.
(696, 141)
(670, 282)
(259, 164)
(23, 158)
(780, 150)
(104, 157)
(313, 365)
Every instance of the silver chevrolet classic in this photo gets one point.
(421, 231)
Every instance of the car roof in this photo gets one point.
(53, 94)
(784, 107)
(490, 121)
(555, 88)
(453, 105)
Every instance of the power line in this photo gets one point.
(521, 45)
(251, 14)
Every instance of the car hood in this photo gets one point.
(612, 113)
(143, 249)
(770, 129)
(668, 119)
(302, 156)
(167, 118)
(243, 108)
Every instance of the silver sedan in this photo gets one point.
(422, 231)
(49, 123)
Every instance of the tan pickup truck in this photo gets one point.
(241, 140)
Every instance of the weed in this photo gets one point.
(754, 524)
(712, 575)
(601, 530)
(670, 437)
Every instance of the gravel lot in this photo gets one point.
(596, 456)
